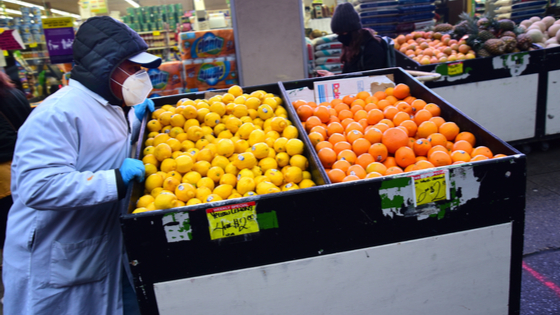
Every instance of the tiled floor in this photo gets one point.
(541, 275)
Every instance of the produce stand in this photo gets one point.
(361, 247)
(512, 95)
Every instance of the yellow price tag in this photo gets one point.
(431, 187)
(232, 220)
(5, 53)
(1, 30)
(455, 68)
(156, 33)
(32, 45)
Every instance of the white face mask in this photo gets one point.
(136, 87)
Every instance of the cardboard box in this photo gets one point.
(206, 44)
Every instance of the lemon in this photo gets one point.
(229, 179)
(268, 163)
(170, 183)
(235, 90)
(177, 120)
(149, 142)
(189, 123)
(281, 112)
(203, 192)
(225, 147)
(176, 131)
(253, 114)
(148, 150)
(206, 130)
(176, 154)
(194, 133)
(160, 138)
(294, 146)
(184, 164)
(193, 201)
(272, 102)
(166, 129)
(153, 181)
(241, 146)
(144, 201)
(256, 136)
(212, 119)
(225, 134)
(282, 159)
(168, 107)
(206, 182)
(220, 161)
(252, 102)
(271, 134)
(185, 192)
(245, 184)
(168, 165)
(265, 112)
(174, 174)
(280, 144)
(154, 125)
(257, 171)
(202, 167)
(300, 161)
(249, 194)
(240, 100)
(274, 176)
(191, 178)
(156, 191)
(260, 150)
(235, 195)
(289, 186)
(174, 144)
(266, 187)
(192, 153)
(201, 113)
(271, 153)
(231, 169)
(258, 123)
(157, 112)
(200, 104)
(140, 210)
(201, 143)
(293, 174)
(205, 155)
(240, 110)
(164, 201)
(153, 134)
(215, 173)
(228, 97)
(150, 169)
(290, 132)
(185, 101)
(213, 198)
(233, 124)
(165, 118)
(178, 203)
(223, 191)
(245, 173)
(278, 124)
(219, 128)
(306, 183)
(229, 108)
(218, 108)
(247, 119)
(245, 160)
(306, 175)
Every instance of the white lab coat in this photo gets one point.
(64, 246)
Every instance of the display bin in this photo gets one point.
(358, 247)
(508, 94)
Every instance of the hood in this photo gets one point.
(101, 44)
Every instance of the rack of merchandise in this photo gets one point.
(349, 240)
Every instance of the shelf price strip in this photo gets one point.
(430, 187)
(232, 220)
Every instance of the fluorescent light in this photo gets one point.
(132, 3)
(66, 13)
(13, 11)
(27, 4)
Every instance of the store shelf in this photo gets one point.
(151, 32)
(160, 48)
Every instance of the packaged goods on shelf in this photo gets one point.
(327, 52)
(206, 44)
(210, 73)
(167, 79)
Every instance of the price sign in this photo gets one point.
(1, 30)
(455, 68)
(32, 45)
(232, 220)
(5, 52)
(156, 33)
(431, 187)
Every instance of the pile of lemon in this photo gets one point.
(229, 146)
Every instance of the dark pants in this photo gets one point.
(5, 205)
(130, 303)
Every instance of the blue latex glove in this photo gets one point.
(140, 109)
(132, 169)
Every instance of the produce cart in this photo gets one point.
(512, 95)
(438, 241)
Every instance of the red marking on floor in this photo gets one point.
(542, 279)
(90, 177)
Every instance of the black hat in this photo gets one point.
(345, 19)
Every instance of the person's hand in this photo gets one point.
(140, 109)
(324, 73)
(132, 169)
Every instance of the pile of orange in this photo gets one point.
(429, 47)
(389, 132)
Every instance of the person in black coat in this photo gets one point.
(361, 49)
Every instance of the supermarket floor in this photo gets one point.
(540, 288)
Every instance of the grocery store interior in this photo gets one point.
(485, 72)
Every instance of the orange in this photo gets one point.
(371, 99)
(312, 122)
(479, 158)
(342, 145)
(411, 141)
(423, 164)
(422, 116)
(436, 148)
(401, 91)
(334, 127)
(320, 129)
(373, 175)
(417, 105)
(298, 103)
(359, 103)
(335, 102)
(462, 145)
(449, 145)
(388, 122)
(315, 138)
(437, 120)
(363, 122)
(346, 122)
(425, 129)
(355, 107)
(410, 126)
(323, 144)
(404, 107)
(482, 150)
(393, 100)
(379, 95)
(499, 156)
(360, 114)
(467, 136)
(390, 161)
(364, 160)
(393, 170)
(440, 158)
(421, 146)
(350, 178)
(420, 158)
(356, 170)
(347, 155)
(370, 106)
(312, 104)
(327, 156)
(450, 130)
(354, 126)
(383, 103)
(373, 135)
(304, 112)
(433, 108)
(363, 95)
(337, 137)
(460, 155)
(403, 128)
(389, 91)
(323, 113)
(361, 146)
(390, 112)
(394, 138)
(341, 165)
(345, 113)
(333, 119)
(437, 139)
(348, 99)
(340, 107)
(378, 151)
(336, 175)
(376, 167)
(353, 135)
(405, 157)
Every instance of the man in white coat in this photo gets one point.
(64, 251)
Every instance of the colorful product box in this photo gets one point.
(206, 44)
(210, 73)
(168, 79)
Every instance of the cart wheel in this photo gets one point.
(544, 145)
(526, 149)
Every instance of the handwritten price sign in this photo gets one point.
(232, 220)
(431, 187)
(455, 68)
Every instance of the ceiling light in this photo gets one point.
(133, 3)
(12, 11)
(27, 4)
(66, 13)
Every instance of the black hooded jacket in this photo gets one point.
(101, 44)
